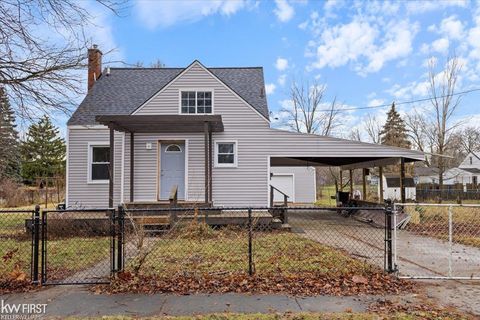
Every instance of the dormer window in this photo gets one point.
(196, 102)
(471, 160)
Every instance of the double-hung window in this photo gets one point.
(225, 154)
(196, 102)
(99, 157)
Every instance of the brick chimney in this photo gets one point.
(94, 65)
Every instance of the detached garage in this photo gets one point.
(299, 183)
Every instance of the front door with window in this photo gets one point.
(172, 169)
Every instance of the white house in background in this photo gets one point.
(471, 164)
(425, 175)
(391, 188)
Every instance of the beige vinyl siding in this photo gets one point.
(245, 184)
(303, 181)
(80, 192)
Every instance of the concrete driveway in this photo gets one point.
(416, 255)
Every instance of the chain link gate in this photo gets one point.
(437, 241)
(78, 246)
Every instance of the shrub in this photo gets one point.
(12, 193)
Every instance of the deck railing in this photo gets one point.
(272, 194)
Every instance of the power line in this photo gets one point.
(402, 102)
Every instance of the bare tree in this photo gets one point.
(38, 72)
(355, 135)
(444, 102)
(373, 128)
(308, 113)
(470, 140)
(419, 133)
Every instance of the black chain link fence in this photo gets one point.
(77, 246)
(210, 242)
(16, 245)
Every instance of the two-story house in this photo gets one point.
(142, 132)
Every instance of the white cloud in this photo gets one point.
(283, 10)
(281, 64)
(417, 7)
(441, 45)
(366, 44)
(282, 79)
(452, 28)
(396, 44)
(167, 13)
(270, 88)
(376, 102)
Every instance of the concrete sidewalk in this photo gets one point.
(77, 301)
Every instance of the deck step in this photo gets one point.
(286, 227)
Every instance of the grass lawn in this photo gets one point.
(226, 252)
(433, 222)
(65, 255)
(325, 194)
(308, 316)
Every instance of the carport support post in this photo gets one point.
(341, 180)
(350, 172)
(110, 168)
(364, 184)
(402, 180)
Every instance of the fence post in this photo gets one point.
(250, 258)
(113, 228)
(120, 234)
(450, 240)
(388, 239)
(36, 244)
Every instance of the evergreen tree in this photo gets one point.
(9, 143)
(43, 151)
(394, 132)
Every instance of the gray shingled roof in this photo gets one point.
(126, 89)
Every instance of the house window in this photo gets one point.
(196, 102)
(99, 163)
(475, 180)
(225, 154)
(471, 160)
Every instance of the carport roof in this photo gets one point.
(344, 163)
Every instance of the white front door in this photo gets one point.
(172, 169)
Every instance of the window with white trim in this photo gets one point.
(99, 163)
(225, 154)
(196, 102)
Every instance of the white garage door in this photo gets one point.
(283, 183)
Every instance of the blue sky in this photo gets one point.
(367, 53)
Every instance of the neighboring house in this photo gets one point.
(468, 172)
(471, 164)
(391, 188)
(140, 132)
(425, 175)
